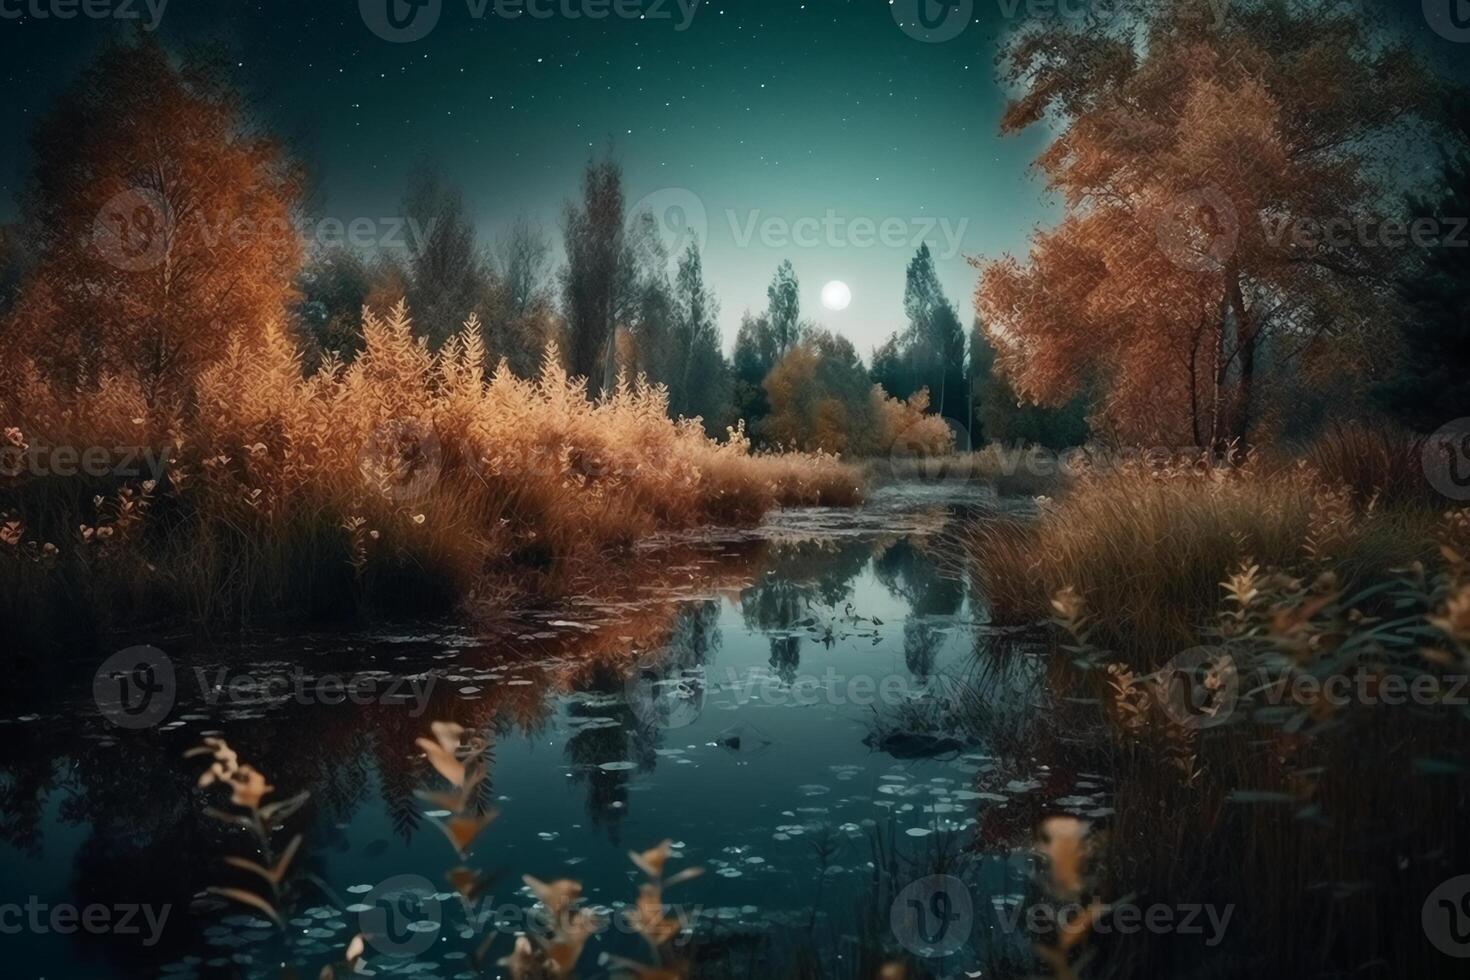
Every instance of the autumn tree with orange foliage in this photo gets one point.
(161, 226)
(1199, 162)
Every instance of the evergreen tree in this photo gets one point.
(597, 281)
(1433, 384)
(934, 341)
(701, 385)
(783, 309)
(448, 275)
(755, 355)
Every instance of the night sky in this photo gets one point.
(759, 109)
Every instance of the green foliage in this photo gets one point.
(1433, 386)
(930, 353)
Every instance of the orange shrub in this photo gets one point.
(408, 472)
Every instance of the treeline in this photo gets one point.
(130, 264)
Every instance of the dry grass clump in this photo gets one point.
(1145, 547)
(1375, 462)
(403, 478)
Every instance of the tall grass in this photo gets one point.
(405, 480)
(1344, 804)
(1265, 795)
(1146, 548)
(1375, 462)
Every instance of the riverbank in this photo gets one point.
(1268, 664)
(407, 482)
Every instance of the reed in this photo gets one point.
(1145, 547)
(398, 483)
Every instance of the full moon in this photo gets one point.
(836, 295)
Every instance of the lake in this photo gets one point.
(813, 711)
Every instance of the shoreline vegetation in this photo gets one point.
(1267, 659)
(407, 482)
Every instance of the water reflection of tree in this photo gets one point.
(909, 571)
(921, 642)
(692, 638)
(811, 573)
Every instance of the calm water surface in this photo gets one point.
(809, 710)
